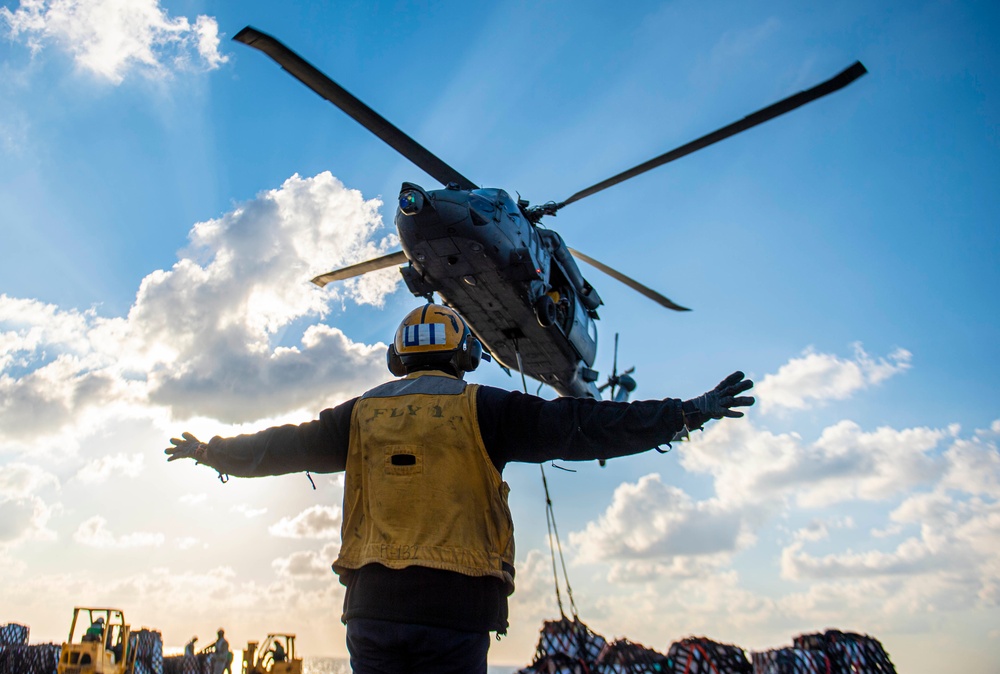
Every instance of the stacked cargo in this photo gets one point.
(848, 652)
(565, 647)
(622, 656)
(17, 657)
(199, 663)
(569, 647)
(698, 655)
(148, 646)
(791, 661)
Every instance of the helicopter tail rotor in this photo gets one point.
(624, 382)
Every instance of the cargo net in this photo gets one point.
(848, 653)
(37, 659)
(199, 663)
(13, 634)
(148, 645)
(698, 655)
(565, 647)
(791, 661)
(569, 647)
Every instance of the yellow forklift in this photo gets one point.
(101, 646)
(275, 656)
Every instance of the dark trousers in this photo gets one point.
(382, 647)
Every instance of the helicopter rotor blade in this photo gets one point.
(343, 99)
(831, 85)
(397, 258)
(630, 282)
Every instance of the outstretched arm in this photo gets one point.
(525, 428)
(318, 446)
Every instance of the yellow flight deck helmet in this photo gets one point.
(433, 336)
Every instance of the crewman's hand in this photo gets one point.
(187, 447)
(719, 402)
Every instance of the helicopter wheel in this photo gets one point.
(545, 311)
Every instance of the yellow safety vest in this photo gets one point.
(419, 486)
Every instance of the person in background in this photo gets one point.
(95, 631)
(190, 663)
(222, 659)
(278, 652)
(427, 551)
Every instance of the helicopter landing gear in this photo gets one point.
(545, 311)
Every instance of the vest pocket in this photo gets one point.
(403, 460)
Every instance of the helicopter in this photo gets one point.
(489, 257)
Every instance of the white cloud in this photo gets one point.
(248, 511)
(315, 522)
(94, 533)
(815, 378)
(193, 499)
(118, 464)
(110, 38)
(652, 526)
(953, 561)
(819, 529)
(209, 325)
(188, 542)
(24, 515)
(973, 466)
(308, 564)
(752, 465)
(21, 480)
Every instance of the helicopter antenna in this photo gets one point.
(831, 85)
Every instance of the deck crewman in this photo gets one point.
(427, 575)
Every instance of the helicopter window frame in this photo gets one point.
(508, 204)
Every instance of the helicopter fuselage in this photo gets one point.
(514, 282)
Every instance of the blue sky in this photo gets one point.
(166, 193)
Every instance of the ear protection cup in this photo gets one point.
(394, 362)
(468, 358)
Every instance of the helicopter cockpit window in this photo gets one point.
(487, 193)
(482, 204)
(509, 205)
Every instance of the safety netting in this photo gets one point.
(23, 659)
(791, 661)
(568, 646)
(848, 652)
(17, 657)
(699, 655)
(148, 645)
(199, 663)
(13, 634)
